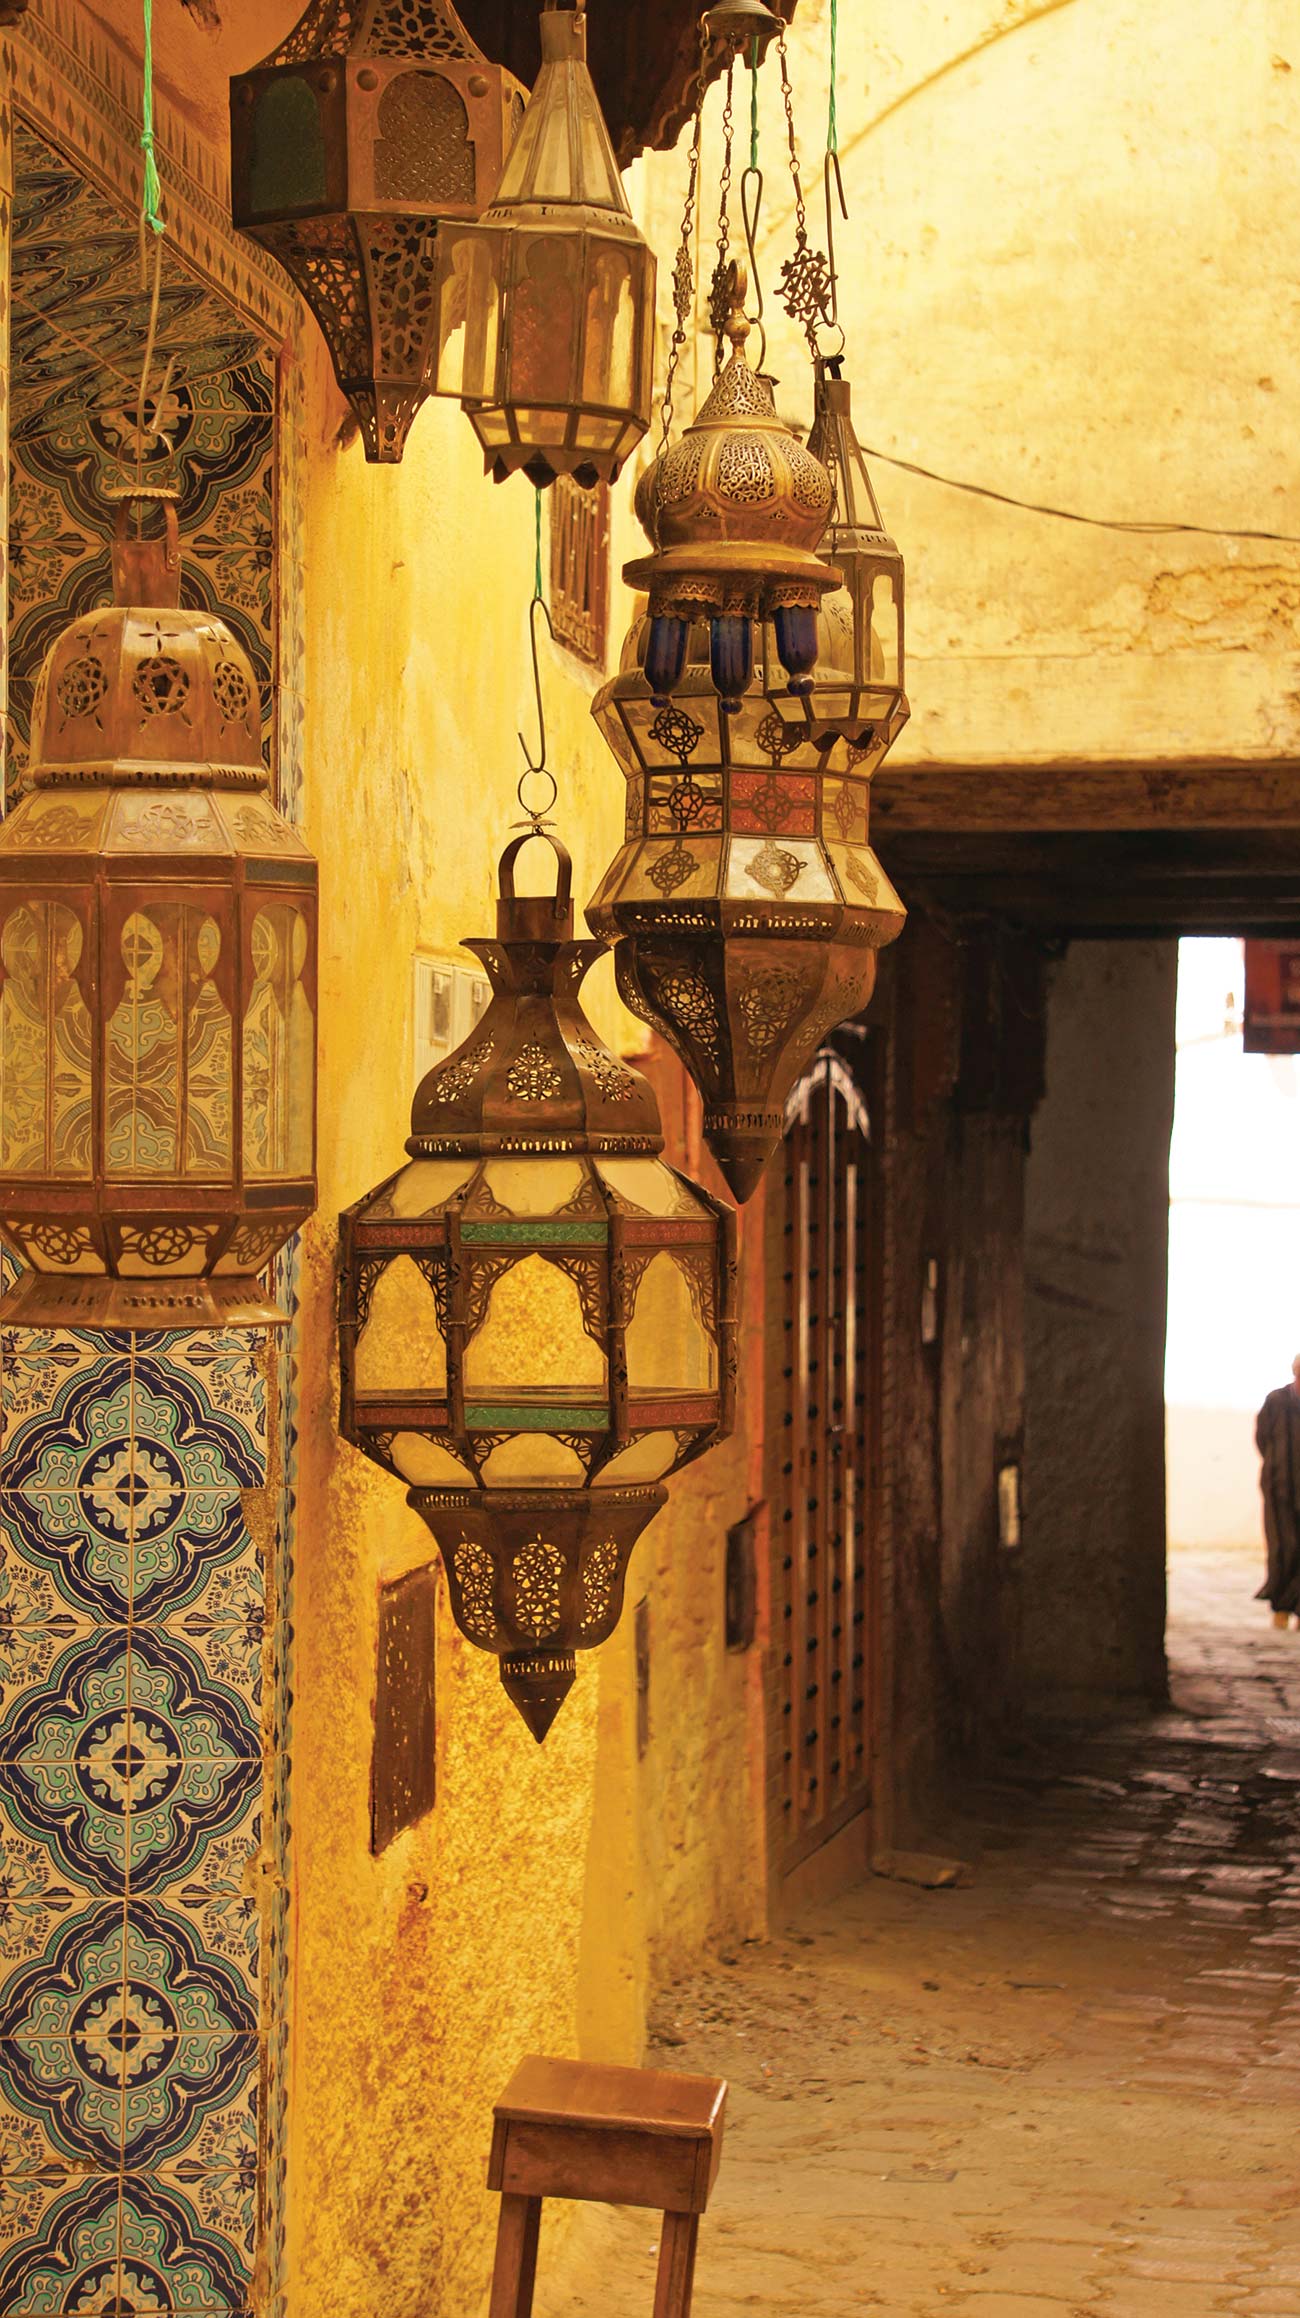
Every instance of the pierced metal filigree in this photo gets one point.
(533, 1076)
(535, 1576)
(458, 1076)
(472, 1566)
(598, 1581)
(81, 687)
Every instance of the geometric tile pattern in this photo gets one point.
(146, 1627)
(133, 1613)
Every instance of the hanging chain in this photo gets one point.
(751, 204)
(151, 270)
(684, 264)
(720, 288)
(805, 277)
(536, 768)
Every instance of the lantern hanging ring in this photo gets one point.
(537, 766)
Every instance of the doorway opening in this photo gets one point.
(1234, 1276)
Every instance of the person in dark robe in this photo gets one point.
(1277, 1437)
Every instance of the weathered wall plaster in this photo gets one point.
(1096, 1242)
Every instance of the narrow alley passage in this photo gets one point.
(1068, 2088)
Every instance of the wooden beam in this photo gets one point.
(1213, 794)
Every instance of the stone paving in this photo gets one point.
(1070, 2088)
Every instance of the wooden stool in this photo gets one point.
(620, 2136)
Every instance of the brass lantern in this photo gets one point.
(350, 144)
(157, 975)
(735, 513)
(536, 1313)
(856, 695)
(746, 902)
(546, 306)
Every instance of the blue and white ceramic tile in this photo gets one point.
(37, 1367)
(124, 2037)
(219, 2171)
(36, 1623)
(169, 2255)
(225, 1627)
(221, 1902)
(66, 2258)
(215, 1379)
(37, 1897)
(129, 1757)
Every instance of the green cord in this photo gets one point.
(832, 125)
(537, 568)
(151, 191)
(753, 103)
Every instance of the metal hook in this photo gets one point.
(830, 167)
(538, 764)
(753, 180)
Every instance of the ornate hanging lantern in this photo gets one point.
(735, 513)
(856, 694)
(537, 1314)
(157, 974)
(545, 326)
(747, 905)
(367, 128)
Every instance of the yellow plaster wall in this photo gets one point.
(1067, 276)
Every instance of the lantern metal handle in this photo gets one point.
(146, 571)
(562, 904)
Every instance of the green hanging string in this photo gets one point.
(151, 191)
(753, 103)
(537, 562)
(832, 125)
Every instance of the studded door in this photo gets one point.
(822, 1433)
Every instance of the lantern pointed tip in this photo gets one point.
(537, 1688)
(742, 1168)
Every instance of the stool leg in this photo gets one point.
(676, 2265)
(515, 2269)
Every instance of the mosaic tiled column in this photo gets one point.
(133, 2021)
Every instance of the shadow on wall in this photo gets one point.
(1213, 1477)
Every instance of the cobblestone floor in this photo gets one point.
(1072, 2088)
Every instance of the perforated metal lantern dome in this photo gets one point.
(735, 513)
(157, 975)
(536, 1313)
(546, 307)
(746, 903)
(370, 125)
(856, 693)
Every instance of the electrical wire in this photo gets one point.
(1072, 515)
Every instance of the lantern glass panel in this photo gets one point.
(645, 1460)
(469, 313)
(886, 624)
(279, 1048)
(530, 1304)
(45, 1043)
(544, 323)
(609, 350)
(647, 1187)
(427, 1184)
(401, 1346)
(669, 1349)
(427, 1464)
(534, 1461)
(534, 1186)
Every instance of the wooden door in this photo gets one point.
(822, 1434)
